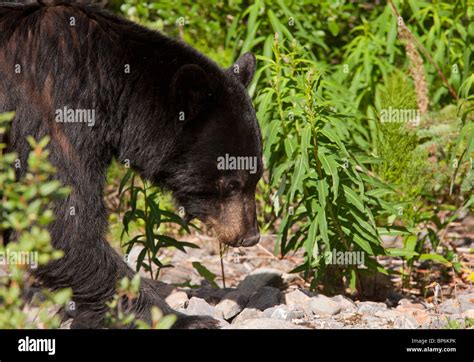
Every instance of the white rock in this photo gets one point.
(405, 322)
(321, 304)
(371, 307)
(232, 304)
(279, 312)
(345, 303)
(389, 314)
(177, 300)
(297, 300)
(282, 312)
(247, 313)
(198, 306)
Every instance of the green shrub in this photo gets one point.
(403, 163)
(322, 192)
(25, 210)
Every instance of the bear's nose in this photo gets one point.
(251, 241)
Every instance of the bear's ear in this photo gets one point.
(190, 88)
(244, 68)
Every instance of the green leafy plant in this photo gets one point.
(321, 190)
(468, 323)
(25, 212)
(149, 219)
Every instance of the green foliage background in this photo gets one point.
(337, 177)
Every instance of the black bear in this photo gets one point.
(103, 87)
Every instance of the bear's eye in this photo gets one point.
(233, 186)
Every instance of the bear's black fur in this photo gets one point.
(159, 104)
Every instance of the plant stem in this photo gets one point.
(222, 264)
(146, 231)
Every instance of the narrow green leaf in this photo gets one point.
(353, 198)
(205, 273)
(312, 246)
(323, 226)
(329, 165)
(297, 178)
(434, 257)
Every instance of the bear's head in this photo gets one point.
(216, 160)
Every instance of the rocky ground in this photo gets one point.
(251, 288)
(261, 301)
(260, 293)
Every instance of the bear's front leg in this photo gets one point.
(93, 316)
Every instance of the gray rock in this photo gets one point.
(267, 313)
(422, 317)
(282, 312)
(451, 306)
(266, 297)
(297, 300)
(460, 304)
(177, 300)
(258, 279)
(206, 293)
(405, 322)
(405, 303)
(232, 304)
(321, 304)
(371, 307)
(198, 306)
(264, 323)
(390, 315)
(345, 303)
(247, 313)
